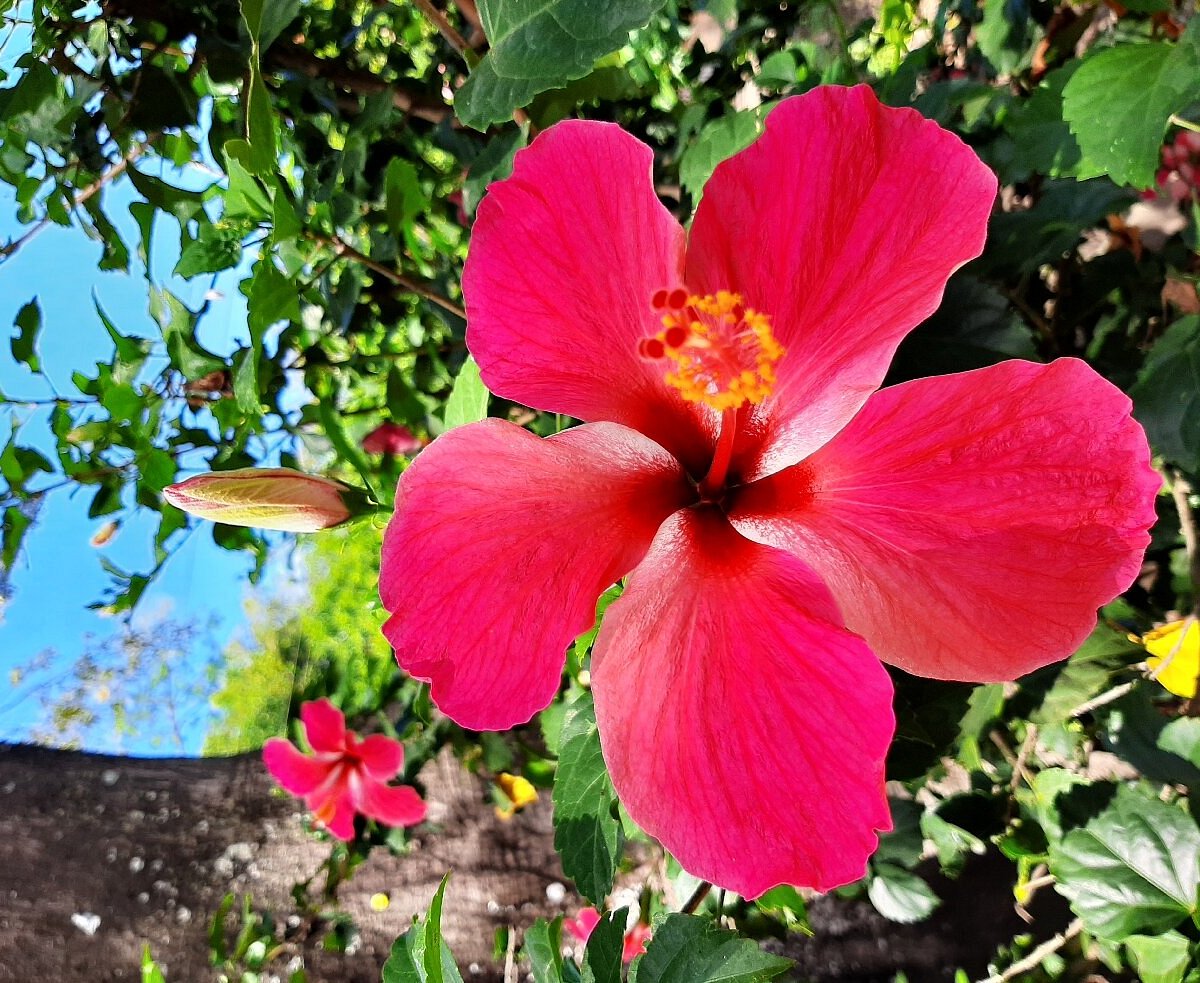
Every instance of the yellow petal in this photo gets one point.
(518, 788)
(1174, 656)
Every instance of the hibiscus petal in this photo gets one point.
(296, 772)
(392, 805)
(324, 726)
(500, 544)
(843, 222)
(341, 824)
(382, 756)
(970, 525)
(743, 726)
(565, 257)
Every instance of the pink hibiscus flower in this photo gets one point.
(344, 776)
(584, 923)
(391, 439)
(1179, 177)
(783, 525)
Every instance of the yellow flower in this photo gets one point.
(380, 901)
(520, 793)
(1174, 656)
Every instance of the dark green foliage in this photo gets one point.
(686, 949)
(587, 830)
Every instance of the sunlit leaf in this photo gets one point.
(1134, 868)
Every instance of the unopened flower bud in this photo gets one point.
(392, 439)
(264, 498)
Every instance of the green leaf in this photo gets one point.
(165, 100)
(24, 345)
(150, 970)
(687, 949)
(260, 127)
(421, 955)
(587, 831)
(131, 353)
(1133, 731)
(245, 198)
(902, 845)
(272, 297)
(262, 17)
(899, 895)
(1159, 958)
(786, 904)
(468, 400)
(439, 964)
(352, 454)
(605, 949)
(538, 45)
(1042, 142)
(402, 966)
(1020, 242)
(1119, 101)
(217, 247)
(403, 197)
(973, 327)
(1166, 396)
(123, 402)
(494, 163)
(719, 140)
(543, 949)
(1182, 737)
(178, 325)
(285, 222)
(1086, 673)
(245, 382)
(266, 19)
(1005, 34)
(1040, 798)
(951, 842)
(1134, 868)
(13, 527)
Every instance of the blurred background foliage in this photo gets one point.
(332, 154)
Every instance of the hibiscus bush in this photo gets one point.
(781, 420)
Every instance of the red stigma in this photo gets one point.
(652, 349)
(677, 298)
(659, 300)
(676, 336)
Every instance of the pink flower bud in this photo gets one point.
(391, 439)
(263, 498)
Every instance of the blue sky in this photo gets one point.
(58, 573)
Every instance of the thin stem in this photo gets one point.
(696, 899)
(1187, 124)
(1103, 699)
(711, 486)
(113, 172)
(343, 248)
(445, 29)
(1181, 492)
(1034, 959)
(47, 401)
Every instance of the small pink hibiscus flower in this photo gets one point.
(584, 923)
(784, 524)
(391, 439)
(1179, 177)
(344, 776)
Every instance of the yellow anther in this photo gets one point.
(723, 353)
